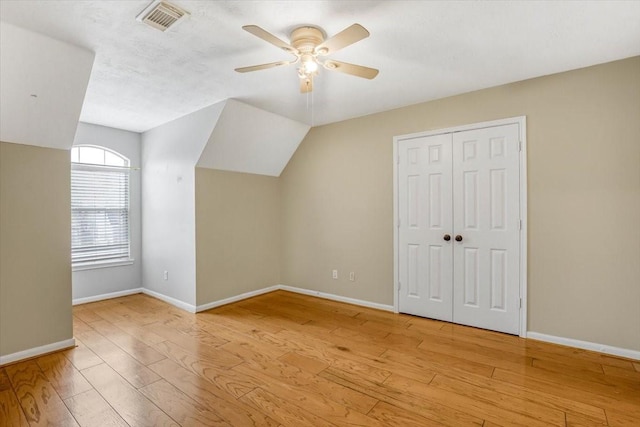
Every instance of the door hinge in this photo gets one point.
(519, 145)
(399, 222)
(398, 159)
(520, 224)
(520, 302)
(399, 285)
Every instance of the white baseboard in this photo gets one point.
(236, 298)
(37, 351)
(338, 298)
(110, 295)
(180, 304)
(302, 291)
(585, 345)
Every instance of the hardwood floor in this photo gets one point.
(284, 359)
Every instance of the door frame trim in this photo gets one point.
(521, 121)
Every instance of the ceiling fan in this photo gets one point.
(309, 46)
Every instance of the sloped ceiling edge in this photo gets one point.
(250, 140)
(43, 83)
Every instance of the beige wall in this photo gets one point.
(35, 247)
(583, 131)
(237, 233)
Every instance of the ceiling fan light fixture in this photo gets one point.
(309, 64)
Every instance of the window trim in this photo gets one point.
(119, 262)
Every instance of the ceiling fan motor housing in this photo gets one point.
(305, 39)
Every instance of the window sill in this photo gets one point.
(101, 264)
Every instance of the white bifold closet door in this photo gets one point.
(425, 192)
(459, 210)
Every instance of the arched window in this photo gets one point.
(99, 206)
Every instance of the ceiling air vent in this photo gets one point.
(161, 15)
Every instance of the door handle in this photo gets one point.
(458, 238)
(447, 237)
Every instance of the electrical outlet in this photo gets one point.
(352, 276)
(334, 274)
(166, 275)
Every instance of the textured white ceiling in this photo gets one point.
(424, 49)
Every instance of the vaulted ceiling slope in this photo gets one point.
(42, 86)
(250, 140)
(424, 50)
(229, 135)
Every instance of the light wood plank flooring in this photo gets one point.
(283, 359)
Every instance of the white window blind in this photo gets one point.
(99, 213)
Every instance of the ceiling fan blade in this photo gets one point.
(263, 66)
(306, 84)
(354, 70)
(270, 38)
(346, 37)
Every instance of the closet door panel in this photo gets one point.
(425, 212)
(486, 208)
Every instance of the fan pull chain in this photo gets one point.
(310, 105)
